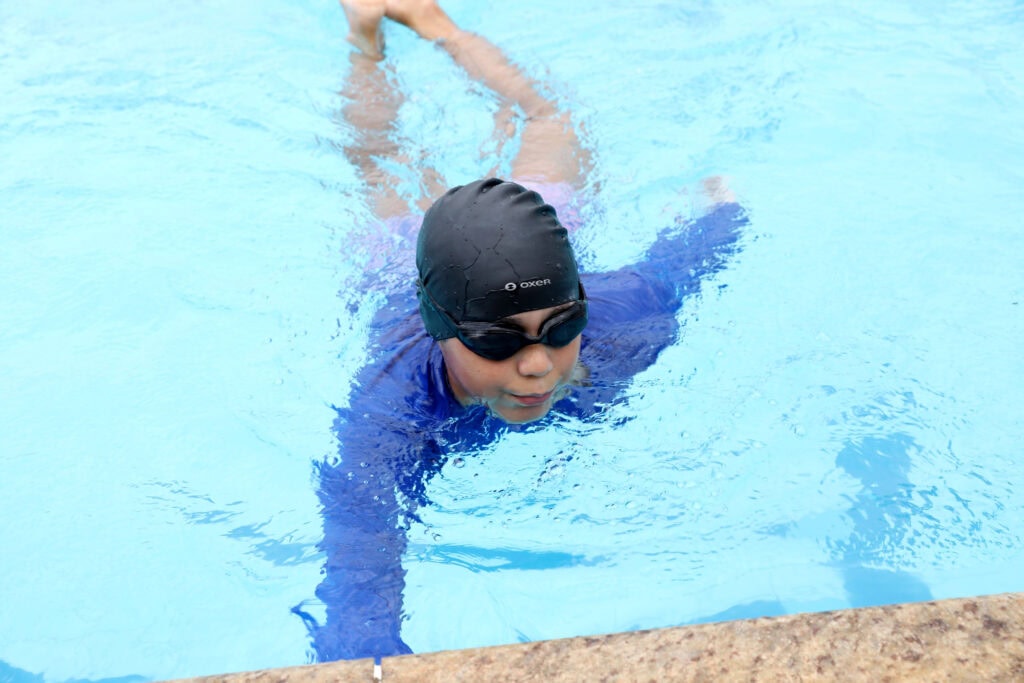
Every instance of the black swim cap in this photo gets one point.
(489, 250)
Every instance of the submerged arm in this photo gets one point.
(368, 500)
(364, 543)
(634, 310)
(690, 251)
(388, 451)
(363, 577)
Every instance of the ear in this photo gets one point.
(580, 375)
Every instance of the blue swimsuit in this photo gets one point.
(403, 422)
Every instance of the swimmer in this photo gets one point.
(517, 387)
(496, 326)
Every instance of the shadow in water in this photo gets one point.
(750, 610)
(12, 674)
(881, 515)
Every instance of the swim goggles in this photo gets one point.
(503, 339)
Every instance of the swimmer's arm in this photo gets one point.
(364, 542)
(676, 265)
(687, 253)
(634, 310)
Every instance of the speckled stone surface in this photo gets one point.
(970, 639)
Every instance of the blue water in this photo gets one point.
(838, 425)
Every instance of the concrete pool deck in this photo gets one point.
(968, 639)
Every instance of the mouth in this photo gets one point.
(531, 399)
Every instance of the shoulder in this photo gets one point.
(403, 378)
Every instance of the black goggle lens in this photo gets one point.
(498, 342)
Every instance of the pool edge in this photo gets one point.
(977, 638)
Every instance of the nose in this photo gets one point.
(534, 361)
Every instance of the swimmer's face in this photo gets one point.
(520, 388)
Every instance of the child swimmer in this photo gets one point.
(491, 335)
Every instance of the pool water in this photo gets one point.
(838, 425)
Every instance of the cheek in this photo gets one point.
(481, 380)
(474, 376)
(567, 356)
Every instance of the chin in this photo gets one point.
(521, 416)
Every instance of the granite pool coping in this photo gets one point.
(966, 639)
